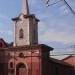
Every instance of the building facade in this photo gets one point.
(32, 60)
(25, 60)
(27, 57)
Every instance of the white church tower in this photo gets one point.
(25, 27)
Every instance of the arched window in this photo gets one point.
(21, 35)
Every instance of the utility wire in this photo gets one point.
(60, 54)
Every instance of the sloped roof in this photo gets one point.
(70, 56)
(70, 60)
(3, 42)
(60, 62)
(24, 16)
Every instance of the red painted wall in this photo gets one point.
(32, 61)
(70, 60)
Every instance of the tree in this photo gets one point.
(65, 2)
(10, 44)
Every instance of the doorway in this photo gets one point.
(21, 69)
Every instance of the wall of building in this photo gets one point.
(31, 59)
(33, 29)
(21, 24)
(52, 67)
(3, 62)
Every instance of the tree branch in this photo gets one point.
(66, 3)
(69, 7)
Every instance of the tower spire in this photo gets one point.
(25, 8)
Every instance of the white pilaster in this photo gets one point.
(14, 38)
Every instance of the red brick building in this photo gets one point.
(23, 60)
(70, 60)
(31, 60)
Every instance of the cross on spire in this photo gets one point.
(25, 8)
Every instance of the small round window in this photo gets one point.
(21, 55)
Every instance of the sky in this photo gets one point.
(56, 27)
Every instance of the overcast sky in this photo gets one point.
(56, 26)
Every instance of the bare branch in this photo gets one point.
(69, 7)
(47, 3)
(66, 3)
